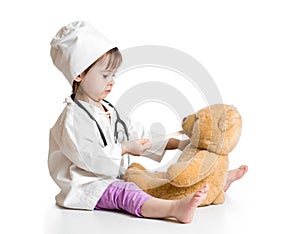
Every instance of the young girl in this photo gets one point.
(86, 160)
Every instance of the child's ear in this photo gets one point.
(78, 78)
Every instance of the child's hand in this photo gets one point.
(136, 147)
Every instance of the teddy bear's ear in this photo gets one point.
(228, 119)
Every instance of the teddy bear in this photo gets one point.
(214, 132)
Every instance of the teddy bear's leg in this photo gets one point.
(220, 198)
(216, 181)
(136, 166)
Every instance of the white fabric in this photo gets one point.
(76, 46)
(78, 161)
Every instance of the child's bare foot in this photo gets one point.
(234, 175)
(185, 207)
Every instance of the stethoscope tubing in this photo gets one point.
(118, 120)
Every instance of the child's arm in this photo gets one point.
(174, 143)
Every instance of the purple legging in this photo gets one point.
(121, 195)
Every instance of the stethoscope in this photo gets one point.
(118, 121)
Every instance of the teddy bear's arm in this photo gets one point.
(187, 173)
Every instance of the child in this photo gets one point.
(85, 156)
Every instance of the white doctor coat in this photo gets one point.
(78, 161)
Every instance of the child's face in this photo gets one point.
(97, 83)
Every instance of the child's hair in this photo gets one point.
(114, 61)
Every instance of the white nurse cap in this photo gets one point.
(76, 46)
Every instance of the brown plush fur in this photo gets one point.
(214, 131)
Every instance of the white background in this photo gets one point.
(250, 48)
